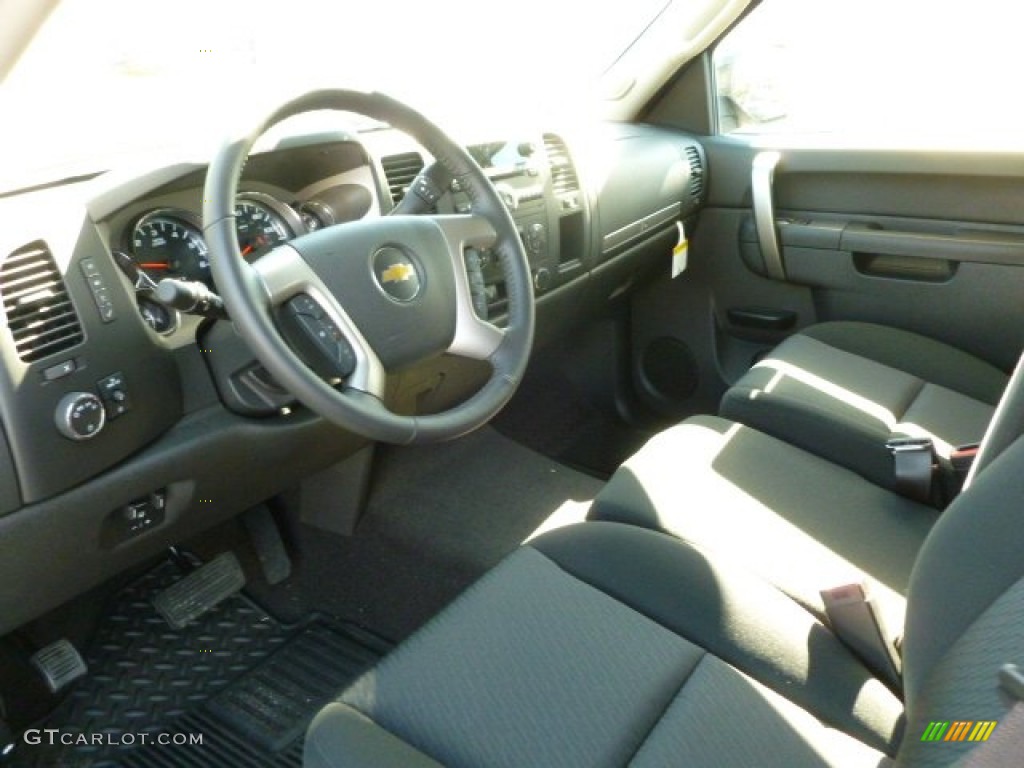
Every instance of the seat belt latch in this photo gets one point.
(914, 459)
(857, 622)
(963, 456)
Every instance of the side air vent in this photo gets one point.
(563, 175)
(696, 172)
(400, 170)
(36, 304)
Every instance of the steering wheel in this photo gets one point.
(377, 294)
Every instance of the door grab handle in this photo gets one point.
(762, 175)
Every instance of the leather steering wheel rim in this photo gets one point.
(254, 293)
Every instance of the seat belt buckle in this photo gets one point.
(857, 621)
(914, 462)
(962, 457)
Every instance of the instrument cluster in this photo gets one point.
(168, 242)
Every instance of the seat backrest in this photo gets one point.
(965, 605)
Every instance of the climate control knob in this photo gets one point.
(80, 415)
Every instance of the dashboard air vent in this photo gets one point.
(696, 172)
(36, 304)
(400, 170)
(563, 175)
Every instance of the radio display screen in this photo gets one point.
(498, 154)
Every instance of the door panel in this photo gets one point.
(925, 241)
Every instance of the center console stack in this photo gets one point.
(539, 186)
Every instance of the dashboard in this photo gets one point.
(128, 425)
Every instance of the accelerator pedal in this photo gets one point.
(59, 663)
(200, 591)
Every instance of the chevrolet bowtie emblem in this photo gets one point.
(398, 273)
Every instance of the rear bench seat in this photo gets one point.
(841, 390)
(799, 492)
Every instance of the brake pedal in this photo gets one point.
(200, 591)
(59, 663)
(266, 540)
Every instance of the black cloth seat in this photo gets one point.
(609, 645)
(842, 389)
(795, 519)
(605, 644)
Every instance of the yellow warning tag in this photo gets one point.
(680, 252)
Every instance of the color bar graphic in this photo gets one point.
(959, 730)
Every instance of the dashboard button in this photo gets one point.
(60, 370)
(114, 394)
(89, 267)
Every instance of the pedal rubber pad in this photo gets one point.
(200, 591)
(266, 540)
(59, 663)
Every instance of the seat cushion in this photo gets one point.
(800, 522)
(842, 389)
(608, 645)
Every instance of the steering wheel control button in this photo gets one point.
(80, 416)
(330, 341)
(320, 339)
(305, 305)
(60, 370)
(89, 267)
(426, 190)
(396, 274)
(114, 394)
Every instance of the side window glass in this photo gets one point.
(869, 71)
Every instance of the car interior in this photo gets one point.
(649, 438)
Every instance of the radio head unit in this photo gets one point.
(501, 159)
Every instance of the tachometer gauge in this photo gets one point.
(166, 243)
(262, 222)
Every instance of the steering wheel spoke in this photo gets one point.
(466, 235)
(292, 286)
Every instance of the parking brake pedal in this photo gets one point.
(59, 663)
(200, 591)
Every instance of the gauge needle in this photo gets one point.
(155, 265)
(247, 250)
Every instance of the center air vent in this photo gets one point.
(36, 304)
(400, 170)
(563, 175)
(696, 172)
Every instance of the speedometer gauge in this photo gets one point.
(262, 222)
(166, 243)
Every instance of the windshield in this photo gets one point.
(108, 79)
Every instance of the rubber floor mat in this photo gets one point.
(237, 679)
